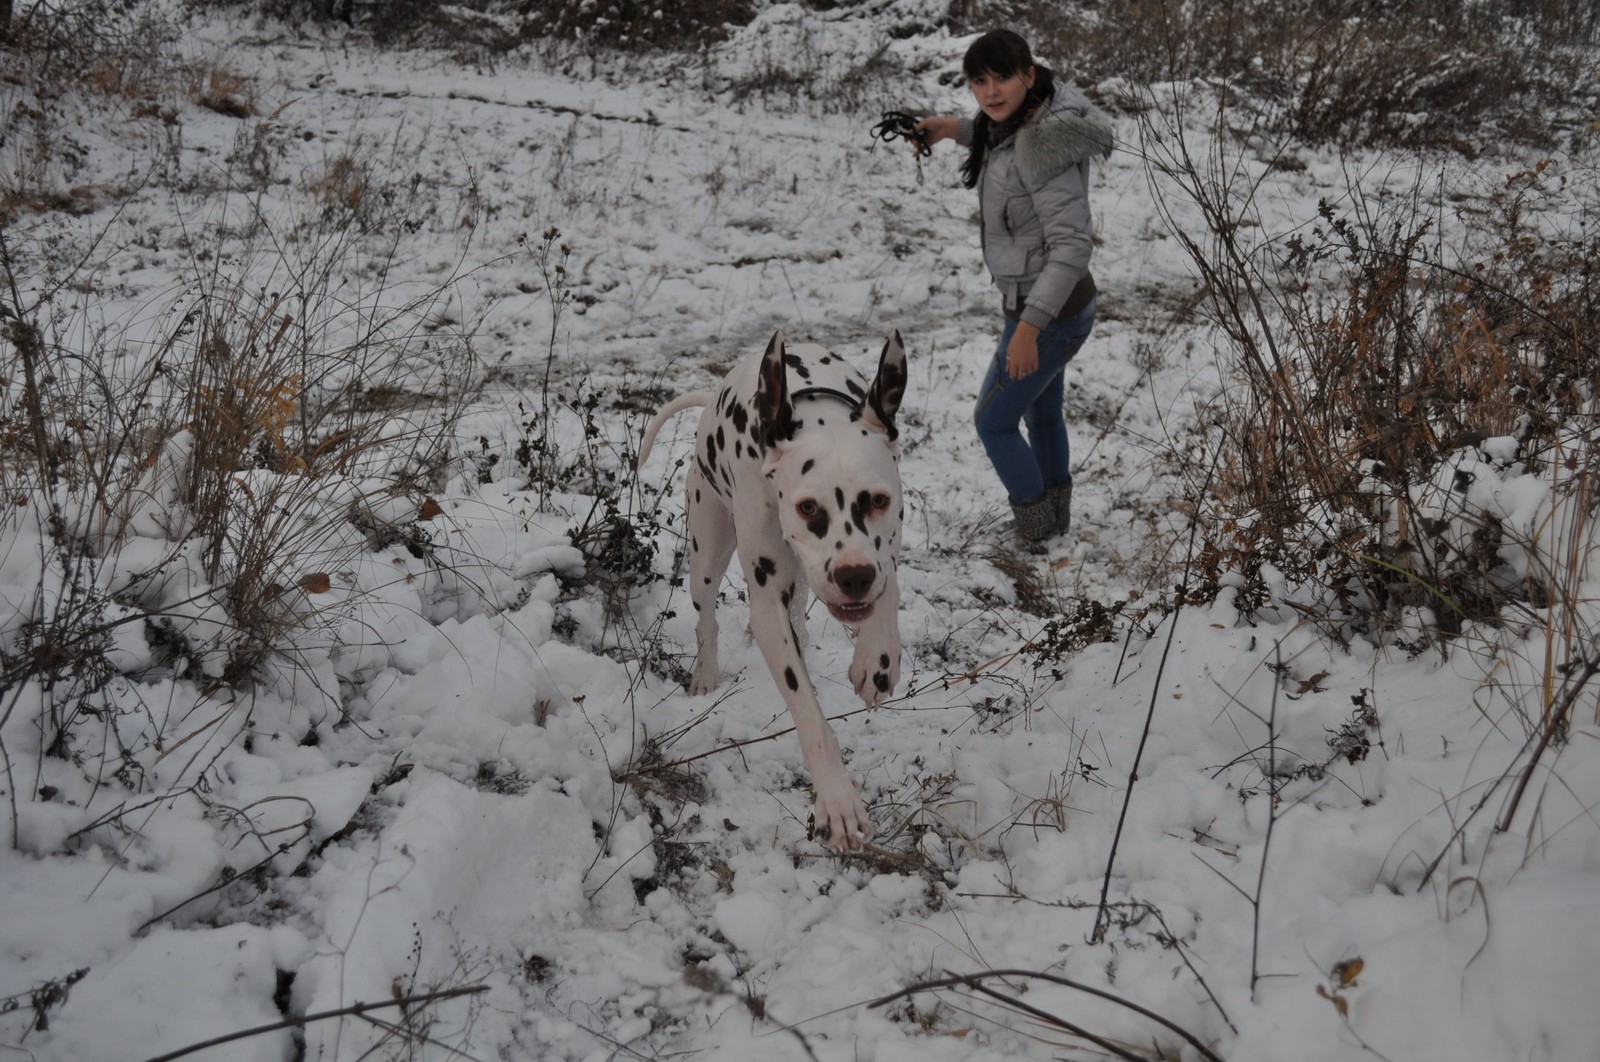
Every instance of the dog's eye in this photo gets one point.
(807, 508)
(880, 501)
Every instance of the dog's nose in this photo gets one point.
(855, 579)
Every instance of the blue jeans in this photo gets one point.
(1028, 466)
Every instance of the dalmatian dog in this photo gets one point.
(796, 467)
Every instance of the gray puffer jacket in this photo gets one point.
(1033, 197)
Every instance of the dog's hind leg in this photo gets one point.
(711, 543)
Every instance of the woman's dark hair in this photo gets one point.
(1001, 53)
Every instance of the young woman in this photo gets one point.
(1028, 153)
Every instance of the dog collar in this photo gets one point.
(814, 392)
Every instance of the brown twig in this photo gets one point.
(942, 682)
(1181, 593)
(1266, 843)
(408, 1035)
(1554, 724)
(220, 885)
(354, 1010)
(973, 981)
(727, 746)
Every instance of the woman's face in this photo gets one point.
(1001, 94)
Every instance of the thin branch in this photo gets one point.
(1177, 945)
(353, 1010)
(1140, 906)
(1272, 818)
(11, 796)
(408, 1035)
(1060, 1023)
(1554, 724)
(1472, 813)
(1150, 715)
(727, 746)
(220, 885)
(973, 981)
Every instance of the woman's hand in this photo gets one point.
(937, 128)
(1022, 353)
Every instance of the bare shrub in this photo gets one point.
(488, 27)
(404, 23)
(110, 43)
(635, 24)
(126, 51)
(1394, 364)
(198, 485)
(1459, 75)
(65, 61)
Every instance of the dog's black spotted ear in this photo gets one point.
(889, 386)
(772, 397)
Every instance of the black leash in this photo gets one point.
(898, 124)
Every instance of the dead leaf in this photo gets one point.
(1346, 972)
(1310, 685)
(430, 509)
(316, 583)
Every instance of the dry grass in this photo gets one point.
(68, 61)
(255, 442)
(342, 185)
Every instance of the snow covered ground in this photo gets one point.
(480, 772)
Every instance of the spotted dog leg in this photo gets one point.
(841, 817)
(875, 669)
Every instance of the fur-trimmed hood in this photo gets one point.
(1067, 132)
(1033, 201)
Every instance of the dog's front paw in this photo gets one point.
(839, 816)
(874, 674)
(707, 677)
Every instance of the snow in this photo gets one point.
(475, 770)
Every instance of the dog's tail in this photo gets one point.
(672, 409)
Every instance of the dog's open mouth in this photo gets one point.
(851, 611)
